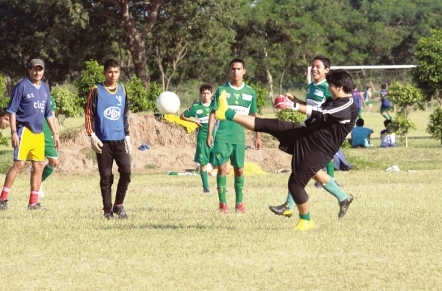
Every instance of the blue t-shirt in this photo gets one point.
(30, 104)
(359, 136)
(384, 101)
(357, 98)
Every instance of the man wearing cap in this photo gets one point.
(27, 108)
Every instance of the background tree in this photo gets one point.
(404, 96)
(428, 73)
(67, 104)
(435, 124)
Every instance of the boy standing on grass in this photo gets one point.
(311, 145)
(230, 139)
(107, 124)
(199, 113)
(28, 106)
(317, 93)
(367, 97)
(385, 103)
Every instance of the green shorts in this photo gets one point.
(385, 109)
(223, 152)
(367, 102)
(50, 150)
(202, 154)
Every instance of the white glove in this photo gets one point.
(128, 145)
(96, 144)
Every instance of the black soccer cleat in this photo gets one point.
(343, 205)
(36, 206)
(3, 204)
(206, 190)
(282, 209)
(120, 212)
(108, 215)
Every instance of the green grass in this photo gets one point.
(176, 240)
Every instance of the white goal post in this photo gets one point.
(364, 69)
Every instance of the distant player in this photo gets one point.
(359, 100)
(199, 113)
(385, 103)
(230, 138)
(367, 97)
(28, 106)
(51, 152)
(328, 126)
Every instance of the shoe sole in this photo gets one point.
(275, 211)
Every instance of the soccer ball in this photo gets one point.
(168, 103)
(282, 102)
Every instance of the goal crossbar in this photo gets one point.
(309, 76)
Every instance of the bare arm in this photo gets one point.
(14, 136)
(209, 141)
(190, 119)
(53, 126)
(258, 142)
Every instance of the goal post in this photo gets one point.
(373, 76)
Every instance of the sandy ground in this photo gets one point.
(171, 149)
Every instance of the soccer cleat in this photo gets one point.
(223, 208)
(36, 206)
(206, 190)
(343, 205)
(240, 208)
(282, 102)
(304, 224)
(108, 215)
(3, 204)
(222, 106)
(120, 212)
(317, 184)
(282, 209)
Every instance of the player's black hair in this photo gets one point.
(324, 60)
(383, 86)
(386, 122)
(206, 86)
(355, 86)
(111, 63)
(237, 61)
(2, 112)
(340, 78)
(360, 122)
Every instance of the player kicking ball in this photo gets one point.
(312, 144)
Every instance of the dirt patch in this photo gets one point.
(171, 148)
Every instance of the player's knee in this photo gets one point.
(239, 172)
(106, 181)
(125, 177)
(53, 162)
(18, 166)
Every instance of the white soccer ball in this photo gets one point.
(168, 103)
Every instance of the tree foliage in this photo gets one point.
(140, 99)
(435, 124)
(404, 96)
(67, 104)
(92, 75)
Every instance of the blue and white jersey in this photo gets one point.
(109, 118)
(30, 104)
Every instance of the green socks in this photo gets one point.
(332, 188)
(221, 183)
(331, 169)
(204, 179)
(290, 202)
(305, 216)
(47, 171)
(239, 185)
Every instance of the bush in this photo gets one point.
(435, 124)
(67, 104)
(141, 100)
(92, 75)
(290, 115)
(261, 94)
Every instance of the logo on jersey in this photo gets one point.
(120, 99)
(112, 113)
(247, 97)
(319, 93)
(40, 105)
(30, 95)
(199, 111)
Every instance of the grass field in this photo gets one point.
(174, 238)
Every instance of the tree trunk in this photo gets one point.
(269, 76)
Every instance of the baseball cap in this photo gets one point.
(36, 62)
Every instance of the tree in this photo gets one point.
(435, 125)
(428, 73)
(404, 97)
(59, 32)
(67, 104)
(92, 75)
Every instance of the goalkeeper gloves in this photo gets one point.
(96, 143)
(128, 145)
